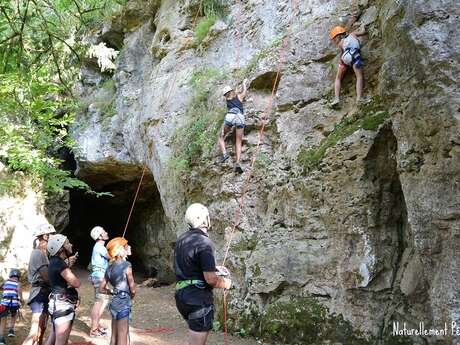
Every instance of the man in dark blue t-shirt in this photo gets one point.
(196, 274)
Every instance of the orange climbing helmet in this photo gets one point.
(115, 245)
(337, 30)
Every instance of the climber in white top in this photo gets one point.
(349, 45)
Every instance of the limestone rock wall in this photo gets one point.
(22, 209)
(356, 208)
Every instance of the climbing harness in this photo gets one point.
(267, 112)
(181, 284)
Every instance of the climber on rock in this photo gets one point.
(350, 55)
(234, 117)
(99, 264)
(197, 274)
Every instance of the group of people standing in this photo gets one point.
(54, 294)
(54, 285)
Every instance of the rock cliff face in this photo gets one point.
(351, 217)
(22, 209)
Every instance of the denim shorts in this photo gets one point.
(237, 120)
(39, 304)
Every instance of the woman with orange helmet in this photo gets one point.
(120, 276)
(350, 55)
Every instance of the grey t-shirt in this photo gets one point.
(38, 261)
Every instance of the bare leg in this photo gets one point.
(113, 336)
(96, 312)
(13, 320)
(238, 143)
(197, 338)
(122, 331)
(359, 82)
(338, 81)
(62, 333)
(37, 329)
(2, 326)
(221, 138)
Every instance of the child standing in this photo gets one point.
(119, 275)
(10, 303)
(350, 56)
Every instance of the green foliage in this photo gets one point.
(214, 8)
(370, 117)
(40, 55)
(202, 29)
(297, 320)
(196, 138)
(34, 117)
(211, 10)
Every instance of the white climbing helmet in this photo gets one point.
(96, 232)
(226, 89)
(55, 243)
(197, 216)
(44, 229)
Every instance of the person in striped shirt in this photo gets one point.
(10, 303)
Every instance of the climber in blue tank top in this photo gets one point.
(234, 117)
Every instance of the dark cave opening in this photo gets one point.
(146, 224)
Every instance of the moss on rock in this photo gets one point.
(369, 117)
(298, 320)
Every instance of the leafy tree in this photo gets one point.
(41, 49)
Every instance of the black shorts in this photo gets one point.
(199, 317)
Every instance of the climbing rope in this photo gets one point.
(135, 198)
(266, 114)
(165, 103)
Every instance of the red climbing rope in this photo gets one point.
(265, 116)
(135, 198)
(267, 112)
(145, 165)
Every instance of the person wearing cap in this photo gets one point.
(350, 56)
(37, 275)
(234, 117)
(197, 274)
(64, 283)
(99, 264)
(10, 303)
(119, 275)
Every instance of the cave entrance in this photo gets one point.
(147, 232)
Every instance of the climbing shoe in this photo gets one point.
(2, 341)
(223, 158)
(11, 333)
(96, 333)
(102, 329)
(238, 168)
(335, 103)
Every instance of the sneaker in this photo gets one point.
(223, 158)
(335, 103)
(102, 329)
(96, 333)
(362, 101)
(11, 333)
(238, 168)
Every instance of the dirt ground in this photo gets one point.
(155, 320)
